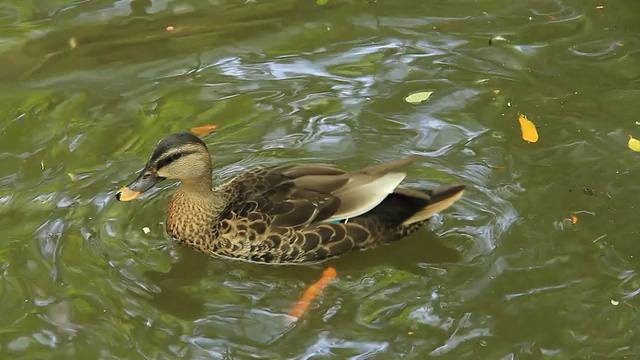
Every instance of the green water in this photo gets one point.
(89, 87)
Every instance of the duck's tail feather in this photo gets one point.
(440, 199)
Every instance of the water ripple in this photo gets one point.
(504, 273)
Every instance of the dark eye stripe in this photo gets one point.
(169, 159)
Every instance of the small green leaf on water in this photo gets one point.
(497, 40)
(322, 2)
(417, 98)
(72, 176)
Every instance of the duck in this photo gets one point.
(285, 214)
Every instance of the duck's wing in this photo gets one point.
(296, 196)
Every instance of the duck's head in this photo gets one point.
(180, 156)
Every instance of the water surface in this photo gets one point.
(89, 87)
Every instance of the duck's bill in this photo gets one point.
(144, 182)
(126, 194)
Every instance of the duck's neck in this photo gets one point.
(196, 187)
(194, 207)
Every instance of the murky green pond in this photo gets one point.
(89, 87)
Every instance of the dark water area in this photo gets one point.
(89, 87)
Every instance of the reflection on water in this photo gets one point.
(90, 87)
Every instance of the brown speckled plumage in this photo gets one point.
(286, 214)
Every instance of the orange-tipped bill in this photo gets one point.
(126, 194)
(145, 181)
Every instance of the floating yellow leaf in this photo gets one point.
(203, 130)
(574, 219)
(633, 143)
(529, 132)
(417, 98)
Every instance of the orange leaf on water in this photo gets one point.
(529, 132)
(203, 130)
(312, 292)
(574, 219)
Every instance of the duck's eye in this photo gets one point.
(176, 156)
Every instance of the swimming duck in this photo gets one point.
(288, 214)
